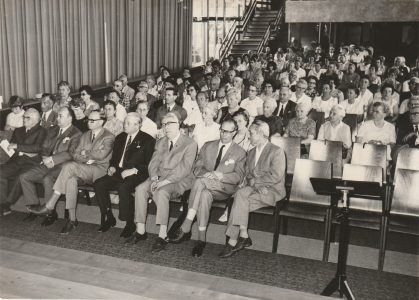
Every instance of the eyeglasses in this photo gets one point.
(414, 113)
(93, 120)
(83, 94)
(142, 86)
(252, 90)
(118, 86)
(168, 123)
(222, 131)
(191, 90)
(26, 117)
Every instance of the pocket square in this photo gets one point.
(138, 147)
(229, 162)
(65, 140)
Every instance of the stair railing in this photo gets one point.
(273, 27)
(238, 27)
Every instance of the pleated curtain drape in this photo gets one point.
(45, 41)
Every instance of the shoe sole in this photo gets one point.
(5, 213)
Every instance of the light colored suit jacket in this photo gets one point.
(269, 171)
(100, 150)
(60, 148)
(50, 121)
(231, 165)
(175, 165)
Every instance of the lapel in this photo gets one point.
(227, 154)
(63, 135)
(263, 155)
(251, 159)
(100, 133)
(50, 118)
(134, 143)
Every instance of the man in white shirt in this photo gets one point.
(264, 184)
(299, 96)
(148, 126)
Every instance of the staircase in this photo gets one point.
(255, 32)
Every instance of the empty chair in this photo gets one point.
(304, 202)
(370, 155)
(328, 151)
(352, 120)
(408, 158)
(404, 212)
(366, 211)
(318, 117)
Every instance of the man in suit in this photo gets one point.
(57, 148)
(170, 106)
(128, 168)
(408, 125)
(126, 92)
(264, 184)
(91, 161)
(170, 176)
(286, 108)
(218, 170)
(26, 142)
(49, 116)
(143, 95)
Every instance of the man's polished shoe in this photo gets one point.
(159, 245)
(135, 238)
(243, 243)
(29, 217)
(107, 225)
(43, 210)
(128, 230)
(179, 236)
(69, 226)
(50, 219)
(198, 249)
(5, 208)
(227, 251)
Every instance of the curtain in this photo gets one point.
(45, 41)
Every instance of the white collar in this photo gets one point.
(47, 113)
(65, 129)
(133, 135)
(175, 139)
(263, 147)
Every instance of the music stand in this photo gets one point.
(335, 187)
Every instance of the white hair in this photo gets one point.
(339, 110)
(261, 128)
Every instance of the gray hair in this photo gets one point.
(136, 116)
(261, 128)
(339, 110)
(171, 117)
(271, 102)
(304, 106)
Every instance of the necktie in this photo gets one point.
(93, 137)
(171, 146)
(121, 163)
(415, 128)
(44, 118)
(60, 132)
(217, 161)
(168, 108)
(281, 112)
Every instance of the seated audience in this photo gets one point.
(365, 95)
(128, 168)
(170, 96)
(311, 90)
(15, 118)
(389, 99)
(218, 170)
(49, 116)
(190, 104)
(263, 185)
(407, 125)
(302, 126)
(170, 176)
(269, 90)
(152, 88)
(80, 121)
(147, 125)
(63, 98)
(274, 122)
(242, 137)
(325, 101)
(207, 130)
(57, 149)
(227, 112)
(112, 124)
(86, 94)
(285, 108)
(299, 94)
(349, 78)
(353, 104)
(253, 104)
(125, 92)
(90, 162)
(120, 113)
(26, 142)
(335, 129)
(405, 97)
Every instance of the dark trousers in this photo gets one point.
(125, 187)
(9, 174)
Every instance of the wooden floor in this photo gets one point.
(31, 270)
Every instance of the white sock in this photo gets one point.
(141, 228)
(50, 206)
(163, 231)
(232, 242)
(243, 232)
(191, 214)
(202, 228)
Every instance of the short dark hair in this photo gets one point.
(232, 121)
(77, 102)
(49, 96)
(109, 102)
(353, 87)
(87, 88)
(70, 112)
(175, 92)
(64, 83)
(244, 114)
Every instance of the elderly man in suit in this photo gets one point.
(128, 168)
(285, 108)
(264, 184)
(91, 161)
(170, 171)
(57, 148)
(170, 106)
(49, 116)
(218, 170)
(26, 142)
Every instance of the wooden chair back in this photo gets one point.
(406, 193)
(318, 117)
(352, 120)
(328, 151)
(370, 155)
(292, 149)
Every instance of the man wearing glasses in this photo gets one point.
(218, 170)
(143, 95)
(264, 184)
(90, 162)
(170, 171)
(26, 144)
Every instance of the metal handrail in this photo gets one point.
(235, 29)
(267, 34)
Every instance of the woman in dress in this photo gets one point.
(86, 93)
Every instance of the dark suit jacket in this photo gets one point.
(162, 111)
(51, 120)
(289, 112)
(231, 165)
(150, 99)
(29, 142)
(60, 148)
(404, 126)
(269, 171)
(274, 122)
(175, 165)
(100, 150)
(137, 155)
